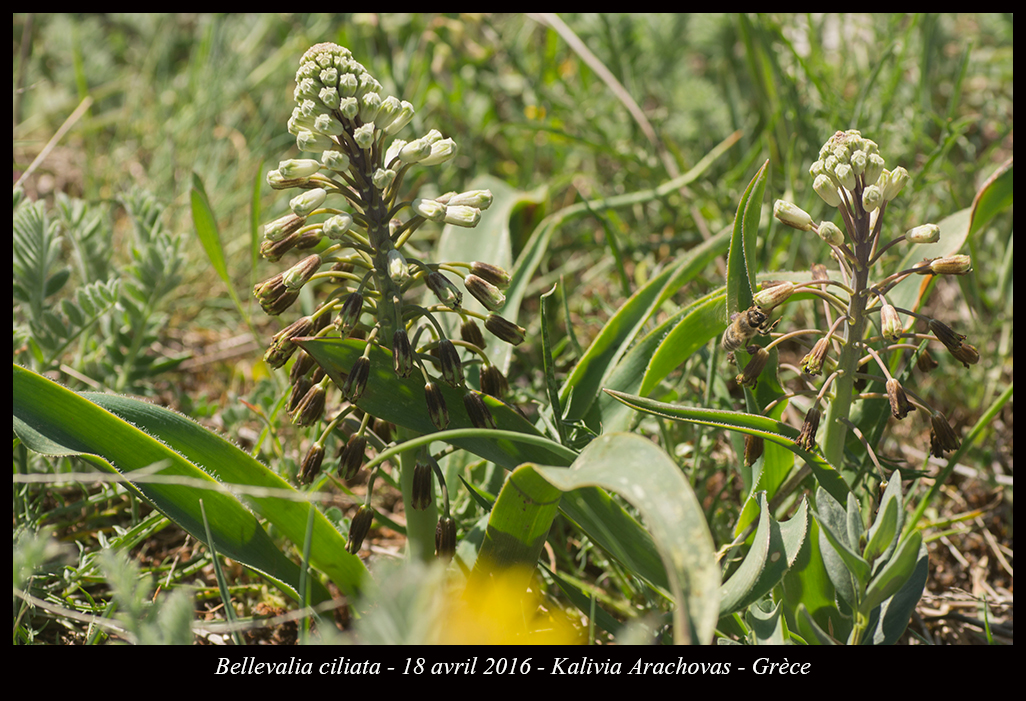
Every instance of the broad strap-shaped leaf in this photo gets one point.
(741, 258)
(773, 550)
(53, 420)
(643, 474)
(751, 424)
(232, 466)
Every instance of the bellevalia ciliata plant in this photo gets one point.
(866, 567)
(367, 268)
(850, 175)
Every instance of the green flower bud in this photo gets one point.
(327, 124)
(382, 178)
(827, 190)
(335, 160)
(467, 217)
(387, 113)
(336, 227)
(858, 162)
(349, 107)
(845, 175)
(505, 329)
(370, 103)
(896, 182)
(829, 232)
(484, 292)
(792, 215)
(302, 205)
(925, 233)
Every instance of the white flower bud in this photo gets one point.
(307, 140)
(401, 119)
(364, 136)
(874, 167)
(382, 178)
(826, 189)
(337, 226)
(482, 199)
(310, 200)
(441, 151)
(349, 107)
(829, 232)
(872, 198)
(336, 160)
(298, 168)
(415, 151)
(398, 269)
(792, 215)
(329, 97)
(429, 209)
(328, 125)
(926, 233)
(845, 176)
(896, 182)
(370, 103)
(389, 110)
(393, 150)
(462, 216)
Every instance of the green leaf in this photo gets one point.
(620, 332)
(889, 622)
(842, 562)
(773, 550)
(288, 513)
(884, 529)
(751, 424)
(741, 258)
(644, 475)
(894, 574)
(53, 420)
